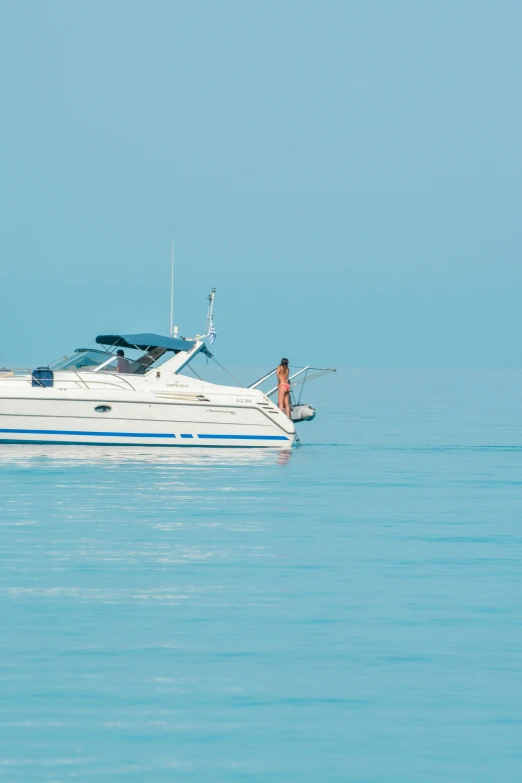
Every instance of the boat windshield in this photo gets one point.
(83, 358)
(133, 366)
(105, 361)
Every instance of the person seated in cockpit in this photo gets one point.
(122, 364)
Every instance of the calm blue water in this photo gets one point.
(351, 612)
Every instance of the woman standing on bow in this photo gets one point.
(283, 390)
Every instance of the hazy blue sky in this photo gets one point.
(348, 174)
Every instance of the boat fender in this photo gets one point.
(302, 413)
(43, 377)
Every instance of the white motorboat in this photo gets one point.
(95, 396)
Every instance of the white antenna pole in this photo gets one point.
(172, 293)
(210, 310)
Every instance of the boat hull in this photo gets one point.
(41, 419)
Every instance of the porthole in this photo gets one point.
(102, 408)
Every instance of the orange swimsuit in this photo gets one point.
(284, 383)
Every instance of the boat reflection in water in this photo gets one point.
(18, 454)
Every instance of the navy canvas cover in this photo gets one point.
(42, 376)
(145, 341)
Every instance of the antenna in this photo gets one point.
(210, 310)
(172, 293)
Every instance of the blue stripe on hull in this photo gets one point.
(245, 437)
(127, 435)
(166, 445)
(85, 432)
